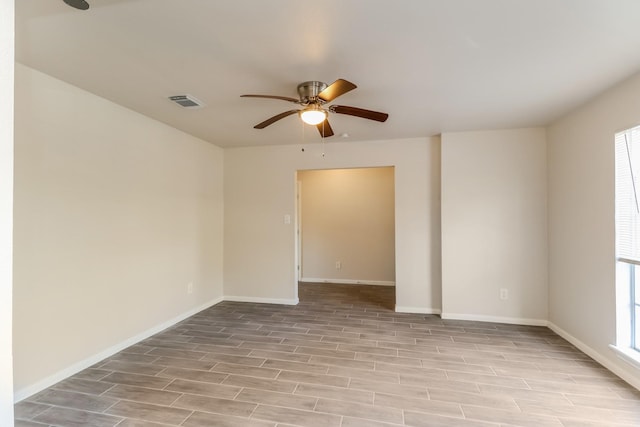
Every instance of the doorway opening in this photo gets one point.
(346, 229)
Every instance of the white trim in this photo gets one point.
(262, 300)
(628, 261)
(629, 355)
(604, 361)
(92, 360)
(348, 281)
(417, 310)
(495, 319)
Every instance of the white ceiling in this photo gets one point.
(433, 65)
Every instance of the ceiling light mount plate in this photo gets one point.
(78, 4)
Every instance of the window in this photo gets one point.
(627, 206)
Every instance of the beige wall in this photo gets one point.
(260, 188)
(348, 217)
(113, 221)
(582, 222)
(494, 225)
(6, 210)
(114, 215)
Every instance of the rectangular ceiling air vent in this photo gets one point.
(187, 101)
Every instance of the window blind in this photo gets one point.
(627, 146)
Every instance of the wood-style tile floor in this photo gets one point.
(342, 357)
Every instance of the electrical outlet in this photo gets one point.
(190, 288)
(338, 265)
(504, 293)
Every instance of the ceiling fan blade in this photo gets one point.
(282, 98)
(274, 119)
(335, 89)
(325, 129)
(359, 112)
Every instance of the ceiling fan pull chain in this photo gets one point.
(303, 136)
(322, 138)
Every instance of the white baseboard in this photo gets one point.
(92, 360)
(83, 364)
(495, 319)
(348, 281)
(263, 300)
(416, 310)
(598, 357)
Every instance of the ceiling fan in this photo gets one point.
(313, 97)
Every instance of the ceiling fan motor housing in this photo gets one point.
(308, 91)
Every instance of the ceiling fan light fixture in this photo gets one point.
(313, 97)
(313, 116)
